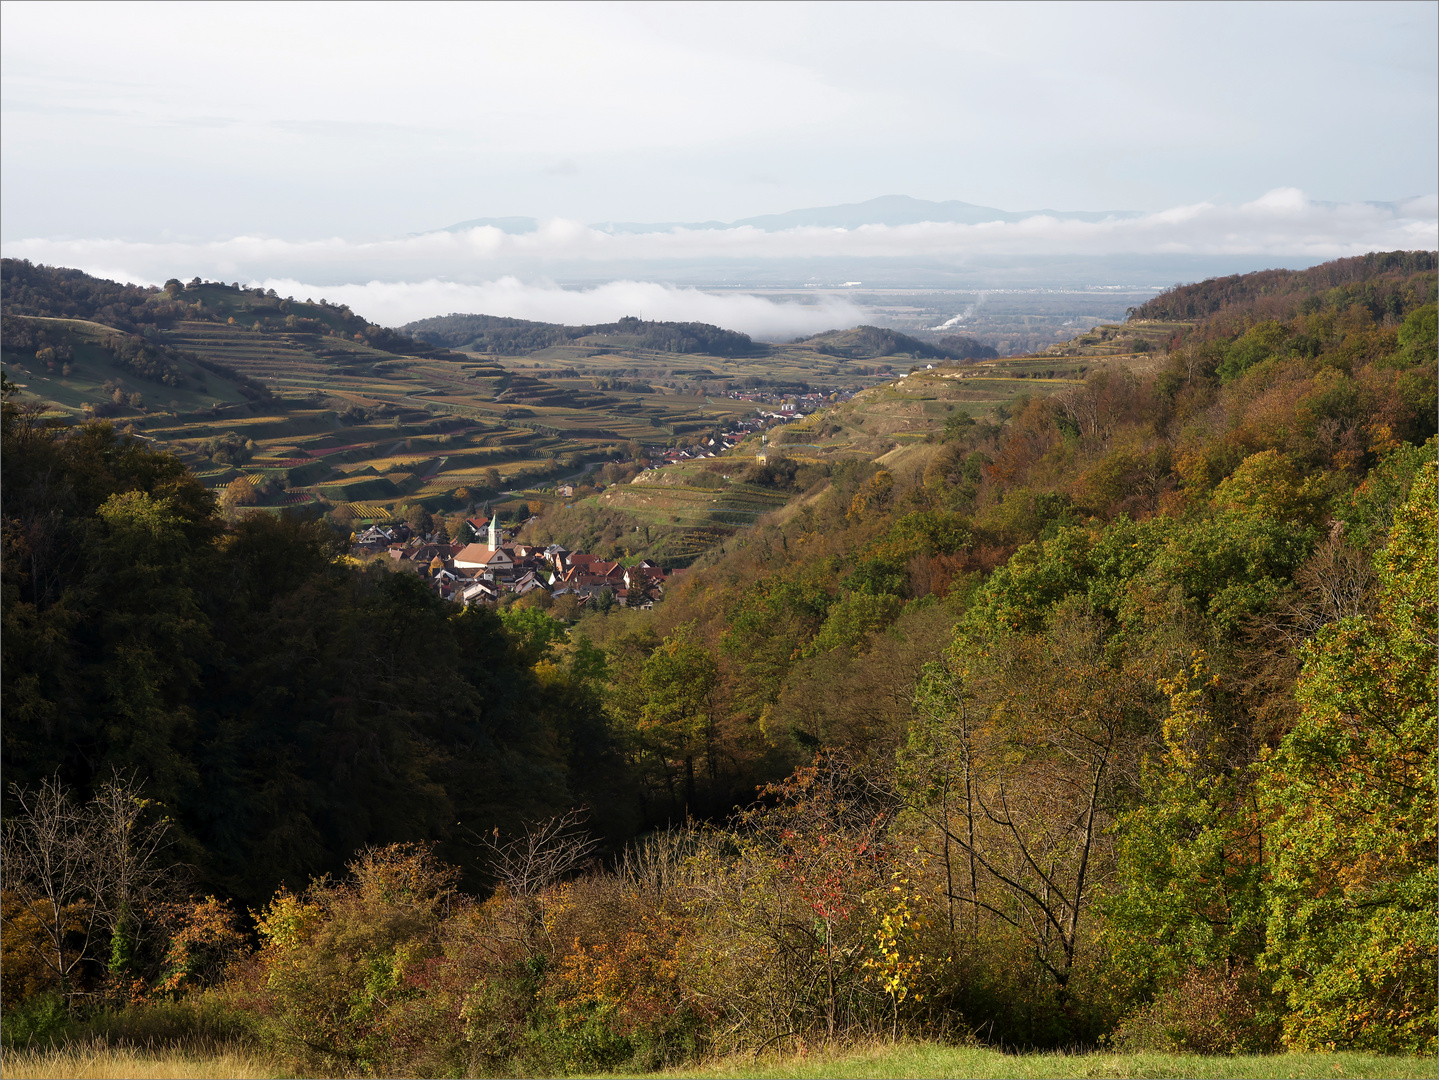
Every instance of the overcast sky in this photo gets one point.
(360, 124)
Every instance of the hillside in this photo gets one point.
(303, 403)
(1088, 700)
(871, 342)
(306, 403)
(1379, 280)
(519, 337)
(96, 370)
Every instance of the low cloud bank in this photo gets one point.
(396, 303)
(480, 269)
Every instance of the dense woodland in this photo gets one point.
(864, 342)
(1108, 719)
(57, 292)
(519, 337)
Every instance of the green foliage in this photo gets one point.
(1351, 792)
(1368, 513)
(534, 633)
(287, 707)
(1268, 487)
(1259, 344)
(38, 1019)
(851, 622)
(666, 698)
(338, 962)
(1188, 905)
(1144, 574)
(771, 622)
(1419, 336)
(957, 424)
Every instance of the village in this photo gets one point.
(495, 570)
(488, 566)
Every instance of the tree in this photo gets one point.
(238, 492)
(1025, 755)
(1187, 909)
(85, 875)
(665, 693)
(535, 635)
(1351, 797)
(416, 517)
(543, 855)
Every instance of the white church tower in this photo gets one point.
(494, 531)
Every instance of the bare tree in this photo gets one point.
(129, 839)
(541, 856)
(84, 872)
(527, 865)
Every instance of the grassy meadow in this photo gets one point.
(902, 1061)
(85, 1060)
(935, 1060)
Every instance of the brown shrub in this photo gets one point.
(1205, 1012)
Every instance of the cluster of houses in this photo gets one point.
(484, 572)
(790, 406)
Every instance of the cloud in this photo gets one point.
(1280, 223)
(395, 303)
(485, 269)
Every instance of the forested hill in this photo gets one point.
(517, 337)
(1107, 714)
(1379, 280)
(58, 292)
(874, 341)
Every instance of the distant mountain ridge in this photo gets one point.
(891, 210)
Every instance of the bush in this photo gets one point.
(1206, 1012)
(40, 1019)
(343, 962)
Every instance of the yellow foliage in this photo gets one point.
(23, 944)
(287, 923)
(1189, 737)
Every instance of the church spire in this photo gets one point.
(494, 532)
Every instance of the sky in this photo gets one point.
(327, 143)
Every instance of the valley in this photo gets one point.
(304, 404)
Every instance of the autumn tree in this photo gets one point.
(84, 876)
(1351, 799)
(1026, 752)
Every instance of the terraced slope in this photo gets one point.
(310, 404)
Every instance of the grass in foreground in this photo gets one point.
(930, 1060)
(908, 1060)
(96, 1059)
